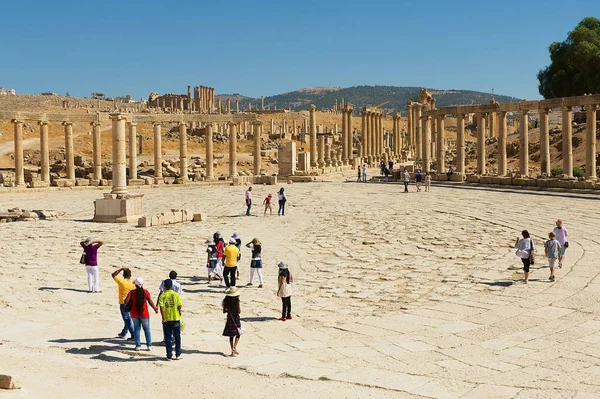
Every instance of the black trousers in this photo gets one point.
(229, 275)
(286, 306)
(405, 186)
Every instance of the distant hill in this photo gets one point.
(360, 96)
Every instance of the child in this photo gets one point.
(211, 261)
(267, 204)
(427, 182)
(256, 262)
(418, 179)
(552, 250)
(231, 306)
(284, 291)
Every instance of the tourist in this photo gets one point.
(231, 258)
(406, 178)
(220, 246)
(391, 165)
(552, 250)
(140, 298)
(561, 236)
(382, 166)
(386, 172)
(170, 311)
(282, 201)
(450, 172)
(427, 182)
(233, 325)
(267, 204)
(90, 253)
(364, 173)
(238, 244)
(248, 200)
(211, 261)
(256, 262)
(174, 284)
(418, 179)
(525, 249)
(125, 285)
(284, 291)
(358, 169)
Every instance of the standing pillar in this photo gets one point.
(418, 129)
(157, 152)
(228, 105)
(460, 144)
(409, 122)
(524, 141)
(262, 103)
(44, 152)
(350, 137)
(69, 155)
(133, 150)
(441, 145)
(19, 168)
(209, 152)
(328, 161)
(480, 144)
(380, 131)
(590, 142)
(119, 162)
(233, 150)
(344, 136)
(426, 143)
(492, 124)
(567, 141)
(321, 150)
(256, 153)
(365, 138)
(183, 160)
(237, 106)
(502, 131)
(544, 142)
(313, 135)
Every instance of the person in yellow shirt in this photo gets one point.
(231, 258)
(170, 310)
(125, 285)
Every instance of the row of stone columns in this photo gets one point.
(372, 145)
(347, 129)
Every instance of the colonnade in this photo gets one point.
(372, 135)
(347, 129)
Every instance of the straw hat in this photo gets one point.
(256, 241)
(88, 241)
(235, 236)
(233, 291)
(282, 265)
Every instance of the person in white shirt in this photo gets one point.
(248, 200)
(561, 236)
(364, 173)
(525, 248)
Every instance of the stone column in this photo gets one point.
(441, 145)
(209, 152)
(481, 144)
(228, 105)
(321, 150)
(524, 142)
(426, 143)
(544, 142)
(262, 103)
(492, 123)
(350, 137)
(157, 152)
(69, 155)
(409, 122)
(119, 162)
(590, 142)
(133, 150)
(256, 152)
(44, 152)
(373, 134)
(502, 166)
(380, 131)
(567, 141)
(313, 135)
(233, 150)
(418, 129)
(460, 144)
(344, 136)
(218, 106)
(19, 168)
(237, 106)
(365, 138)
(183, 158)
(327, 157)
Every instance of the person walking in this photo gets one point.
(231, 258)
(233, 325)
(364, 173)
(256, 262)
(267, 204)
(140, 299)
(358, 169)
(90, 251)
(220, 246)
(282, 200)
(248, 200)
(406, 178)
(238, 244)
(418, 179)
(427, 182)
(211, 261)
(170, 310)
(525, 249)
(551, 250)
(284, 291)
(561, 236)
(125, 285)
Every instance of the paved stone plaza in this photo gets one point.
(396, 295)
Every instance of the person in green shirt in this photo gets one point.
(170, 310)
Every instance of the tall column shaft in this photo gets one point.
(380, 130)
(395, 132)
(590, 142)
(502, 131)
(364, 137)
(19, 168)
(544, 142)
(44, 152)
(69, 155)
(313, 136)
(233, 150)
(567, 141)
(119, 161)
(344, 136)
(132, 150)
(350, 137)
(256, 152)
(409, 122)
(460, 144)
(97, 150)
(441, 145)
(418, 129)
(524, 141)
(210, 174)
(426, 143)
(373, 135)
(321, 150)
(158, 151)
(481, 144)
(183, 158)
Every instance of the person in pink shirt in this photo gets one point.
(248, 201)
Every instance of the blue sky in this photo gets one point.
(256, 47)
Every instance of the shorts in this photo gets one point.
(212, 264)
(268, 207)
(526, 264)
(561, 251)
(552, 262)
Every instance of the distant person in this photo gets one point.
(233, 325)
(140, 298)
(525, 249)
(211, 261)
(170, 310)
(256, 262)
(90, 250)
(358, 169)
(386, 172)
(231, 259)
(248, 200)
(551, 250)
(364, 173)
(284, 291)
(382, 167)
(561, 236)
(391, 165)
(427, 182)
(238, 244)
(125, 285)
(406, 178)
(282, 200)
(450, 172)
(418, 179)
(174, 284)
(267, 204)
(220, 246)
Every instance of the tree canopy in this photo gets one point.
(574, 69)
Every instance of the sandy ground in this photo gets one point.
(397, 296)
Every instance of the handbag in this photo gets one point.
(531, 253)
(82, 259)
(566, 244)
(240, 329)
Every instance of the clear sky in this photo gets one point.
(255, 47)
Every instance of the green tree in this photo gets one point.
(575, 63)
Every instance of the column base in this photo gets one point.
(118, 208)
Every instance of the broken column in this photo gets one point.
(157, 152)
(183, 159)
(210, 175)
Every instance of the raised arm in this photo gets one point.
(116, 272)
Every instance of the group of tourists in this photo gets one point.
(267, 202)
(386, 171)
(554, 250)
(222, 263)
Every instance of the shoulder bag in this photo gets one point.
(82, 259)
(240, 329)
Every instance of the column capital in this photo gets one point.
(118, 116)
(593, 107)
(257, 123)
(95, 123)
(524, 111)
(66, 123)
(568, 108)
(156, 123)
(132, 123)
(312, 108)
(43, 123)
(17, 121)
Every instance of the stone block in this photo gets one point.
(520, 181)
(473, 179)
(154, 220)
(485, 180)
(159, 180)
(506, 181)
(199, 217)
(552, 183)
(104, 182)
(565, 183)
(9, 382)
(122, 209)
(144, 221)
(542, 183)
(590, 185)
(38, 184)
(63, 183)
(94, 182)
(136, 182)
(82, 182)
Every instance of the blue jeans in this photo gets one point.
(138, 324)
(128, 324)
(170, 329)
(249, 205)
(281, 208)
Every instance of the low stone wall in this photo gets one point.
(175, 216)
